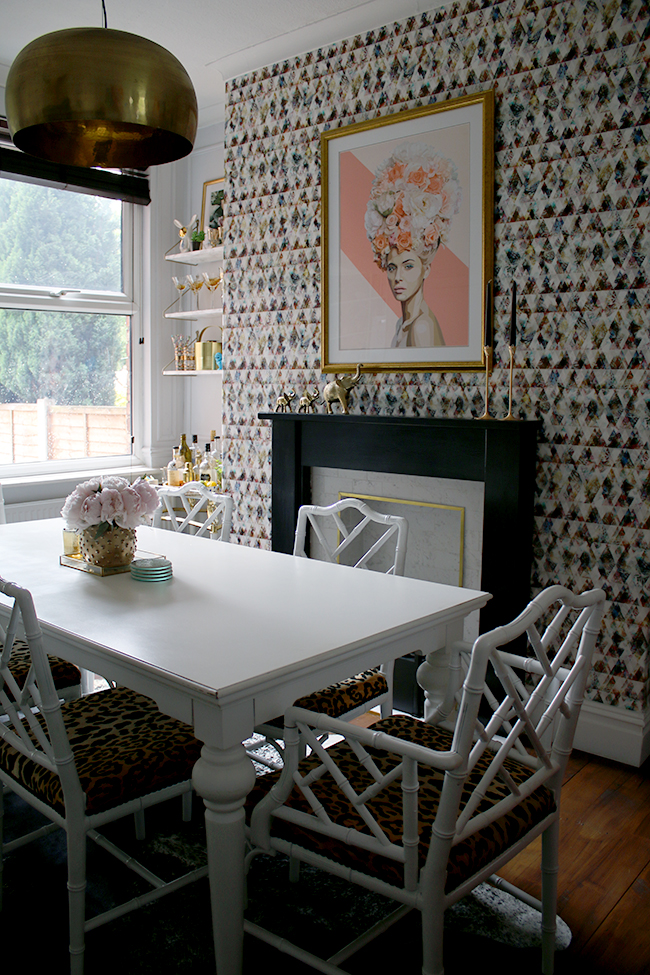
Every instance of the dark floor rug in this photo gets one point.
(173, 937)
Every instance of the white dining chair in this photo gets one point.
(85, 763)
(422, 812)
(348, 532)
(195, 509)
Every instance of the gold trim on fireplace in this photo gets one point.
(420, 504)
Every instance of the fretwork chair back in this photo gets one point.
(195, 509)
(85, 763)
(362, 540)
(352, 533)
(424, 812)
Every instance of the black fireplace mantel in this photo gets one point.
(501, 454)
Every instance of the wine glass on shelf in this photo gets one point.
(181, 286)
(212, 282)
(195, 283)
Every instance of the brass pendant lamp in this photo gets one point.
(91, 96)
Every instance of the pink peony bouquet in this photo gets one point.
(110, 502)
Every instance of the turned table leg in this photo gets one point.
(223, 778)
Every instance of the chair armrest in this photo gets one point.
(369, 738)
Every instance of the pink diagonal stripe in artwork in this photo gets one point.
(446, 290)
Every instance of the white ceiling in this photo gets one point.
(214, 39)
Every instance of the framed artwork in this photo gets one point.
(212, 207)
(407, 249)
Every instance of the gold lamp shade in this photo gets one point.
(90, 96)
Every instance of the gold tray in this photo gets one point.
(77, 562)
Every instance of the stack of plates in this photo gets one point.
(151, 570)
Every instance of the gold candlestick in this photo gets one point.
(487, 352)
(509, 416)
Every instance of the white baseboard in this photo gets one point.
(615, 733)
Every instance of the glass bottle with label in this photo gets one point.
(174, 477)
(205, 470)
(185, 450)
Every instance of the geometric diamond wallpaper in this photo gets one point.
(572, 201)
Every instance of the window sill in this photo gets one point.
(46, 487)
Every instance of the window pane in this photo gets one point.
(53, 238)
(64, 386)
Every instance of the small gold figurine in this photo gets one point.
(307, 401)
(338, 390)
(283, 402)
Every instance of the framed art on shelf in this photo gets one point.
(212, 206)
(408, 229)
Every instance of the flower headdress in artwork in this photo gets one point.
(414, 195)
(110, 502)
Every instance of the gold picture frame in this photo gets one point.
(210, 206)
(408, 238)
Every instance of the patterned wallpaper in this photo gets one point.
(571, 228)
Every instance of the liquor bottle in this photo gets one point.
(185, 450)
(196, 453)
(215, 462)
(205, 470)
(174, 478)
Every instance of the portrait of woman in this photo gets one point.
(414, 196)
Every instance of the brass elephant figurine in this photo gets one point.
(338, 390)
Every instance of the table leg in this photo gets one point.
(223, 778)
(433, 676)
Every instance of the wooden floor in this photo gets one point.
(604, 881)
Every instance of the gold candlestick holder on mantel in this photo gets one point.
(487, 352)
(509, 416)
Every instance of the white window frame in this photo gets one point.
(127, 302)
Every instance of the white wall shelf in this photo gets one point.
(192, 372)
(191, 315)
(197, 257)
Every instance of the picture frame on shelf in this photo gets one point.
(408, 238)
(212, 205)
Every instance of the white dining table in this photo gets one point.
(229, 642)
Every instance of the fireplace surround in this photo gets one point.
(501, 454)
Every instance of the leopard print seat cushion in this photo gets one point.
(346, 695)
(64, 673)
(465, 858)
(124, 747)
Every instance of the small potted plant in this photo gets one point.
(197, 239)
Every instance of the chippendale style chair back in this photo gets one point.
(423, 812)
(84, 763)
(195, 509)
(369, 536)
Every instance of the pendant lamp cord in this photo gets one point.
(105, 17)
